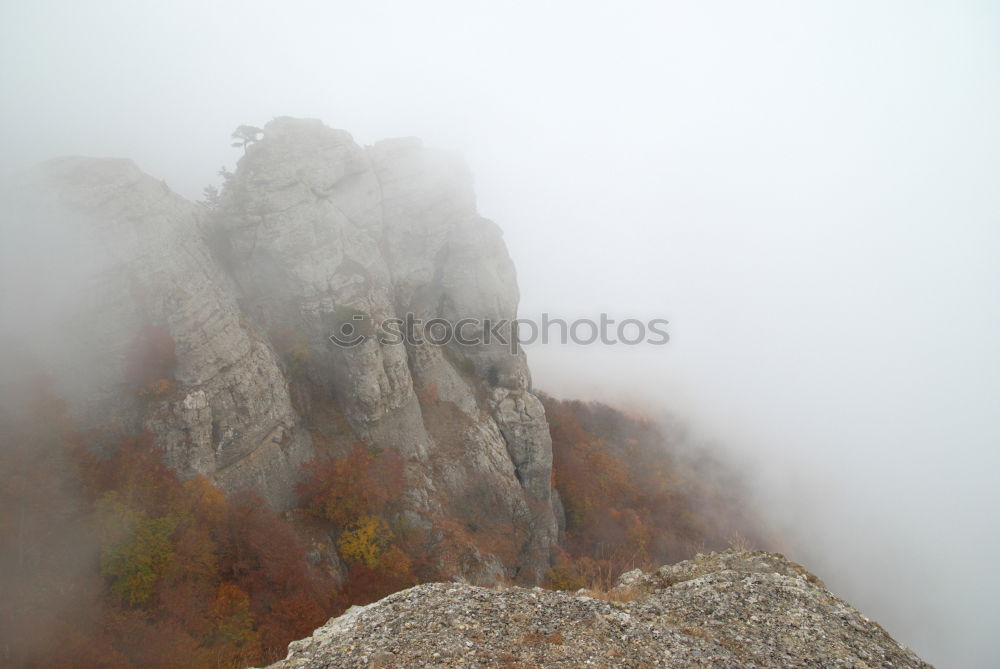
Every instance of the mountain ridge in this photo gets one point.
(207, 468)
(242, 294)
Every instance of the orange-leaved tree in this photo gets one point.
(359, 495)
(341, 490)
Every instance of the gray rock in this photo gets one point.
(733, 609)
(319, 227)
(228, 413)
(310, 231)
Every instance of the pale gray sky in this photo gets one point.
(808, 191)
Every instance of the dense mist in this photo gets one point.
(808, 193)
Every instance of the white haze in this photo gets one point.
(808, 191)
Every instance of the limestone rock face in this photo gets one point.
(732, 609)
(227, 412)
(323, 235)
(313, 235)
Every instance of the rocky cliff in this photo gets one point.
(732, 610)
(310, 234)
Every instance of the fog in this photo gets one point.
(807, 192)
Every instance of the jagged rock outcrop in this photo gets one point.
(139, 259)
(732, 610)
(312, 232)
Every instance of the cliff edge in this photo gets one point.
(733, 609)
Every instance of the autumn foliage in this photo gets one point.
(635, 495)
(109, 560)
(357, 499)
(160, 573)
(341, 490)
(227, 578)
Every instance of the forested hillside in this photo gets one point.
(110, 560)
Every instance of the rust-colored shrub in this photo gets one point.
(341, 490)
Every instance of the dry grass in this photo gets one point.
(614, 594)
(740, 543)
(535, 639)
(509, 661)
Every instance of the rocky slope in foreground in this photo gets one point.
(732, 609)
